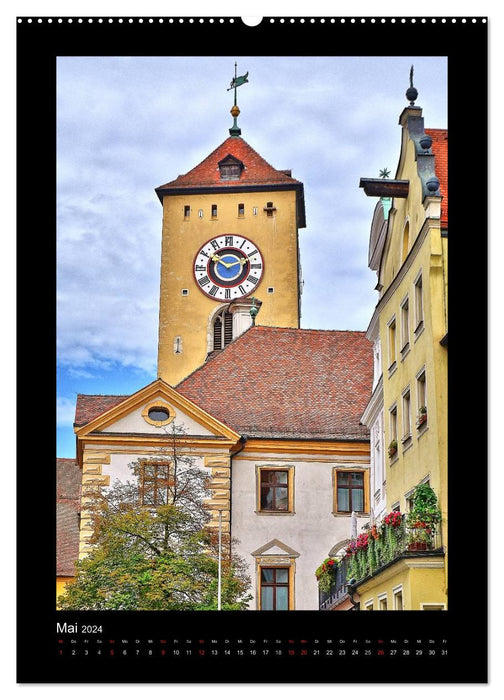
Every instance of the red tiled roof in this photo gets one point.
(256, 171)
(440, 149)
(90, 406)
(278, 382)
(283, 382)
(68, 488)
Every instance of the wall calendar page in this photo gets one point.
(238, 231)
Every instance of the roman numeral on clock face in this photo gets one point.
(213, 291)
(200, 268)
(204, 280)
(252, 279)
(228, 240)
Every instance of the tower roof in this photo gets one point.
(253, 174)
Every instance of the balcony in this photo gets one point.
(331, 598)
(376, 549)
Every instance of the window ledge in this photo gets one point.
(419, 330)
(341, 514)
(407, 442)
(422, 429)
(275, 512)
(392, 368)
(405, 351)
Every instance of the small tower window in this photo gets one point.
(269, 209)
(177, 345)
(200, 213)
(223, 330)
(254, 211)
(187, 211)
(241, 209)
(214, 211)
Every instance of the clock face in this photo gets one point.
(228, 267)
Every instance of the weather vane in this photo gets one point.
(384, 173)
(411, 92)
(235, 111)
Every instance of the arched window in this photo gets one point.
(222, 330)
(405, 242)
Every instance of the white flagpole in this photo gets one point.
(220, 563)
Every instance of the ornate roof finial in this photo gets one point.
(253, 310)
(384, 173)
(411, 92)
(235, 110)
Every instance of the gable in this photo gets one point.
(275, 548)
(148, 418)
(152, 411)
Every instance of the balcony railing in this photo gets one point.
(392, 542)
(372, 555)
(327, 599)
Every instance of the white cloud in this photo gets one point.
(65, 411)
(127, 125)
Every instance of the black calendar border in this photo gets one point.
(38, 45)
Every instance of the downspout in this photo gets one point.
(243, 441)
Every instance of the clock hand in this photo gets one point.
(241, 261)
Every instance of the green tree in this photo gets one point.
(150, 549)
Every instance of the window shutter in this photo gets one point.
(217, 334)
(228, 328)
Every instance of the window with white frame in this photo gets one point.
(398, 598)
(392, 447)
(392, 340)
(382, 602)
(393, 422)
(405, 326)
(419, 304)
(406, 413)
(421, 399)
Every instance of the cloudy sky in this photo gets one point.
(127, 125)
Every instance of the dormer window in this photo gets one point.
(230, 168)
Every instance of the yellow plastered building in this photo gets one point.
(409, 330)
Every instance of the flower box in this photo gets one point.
(417, 546)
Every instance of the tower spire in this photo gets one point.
(235, 110)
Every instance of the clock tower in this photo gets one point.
(229, 241)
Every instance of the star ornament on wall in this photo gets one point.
(384, 173)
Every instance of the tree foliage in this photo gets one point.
(150, 549)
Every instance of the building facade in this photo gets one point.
(286, 467)
(409, 332)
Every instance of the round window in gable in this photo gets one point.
(158, 414)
